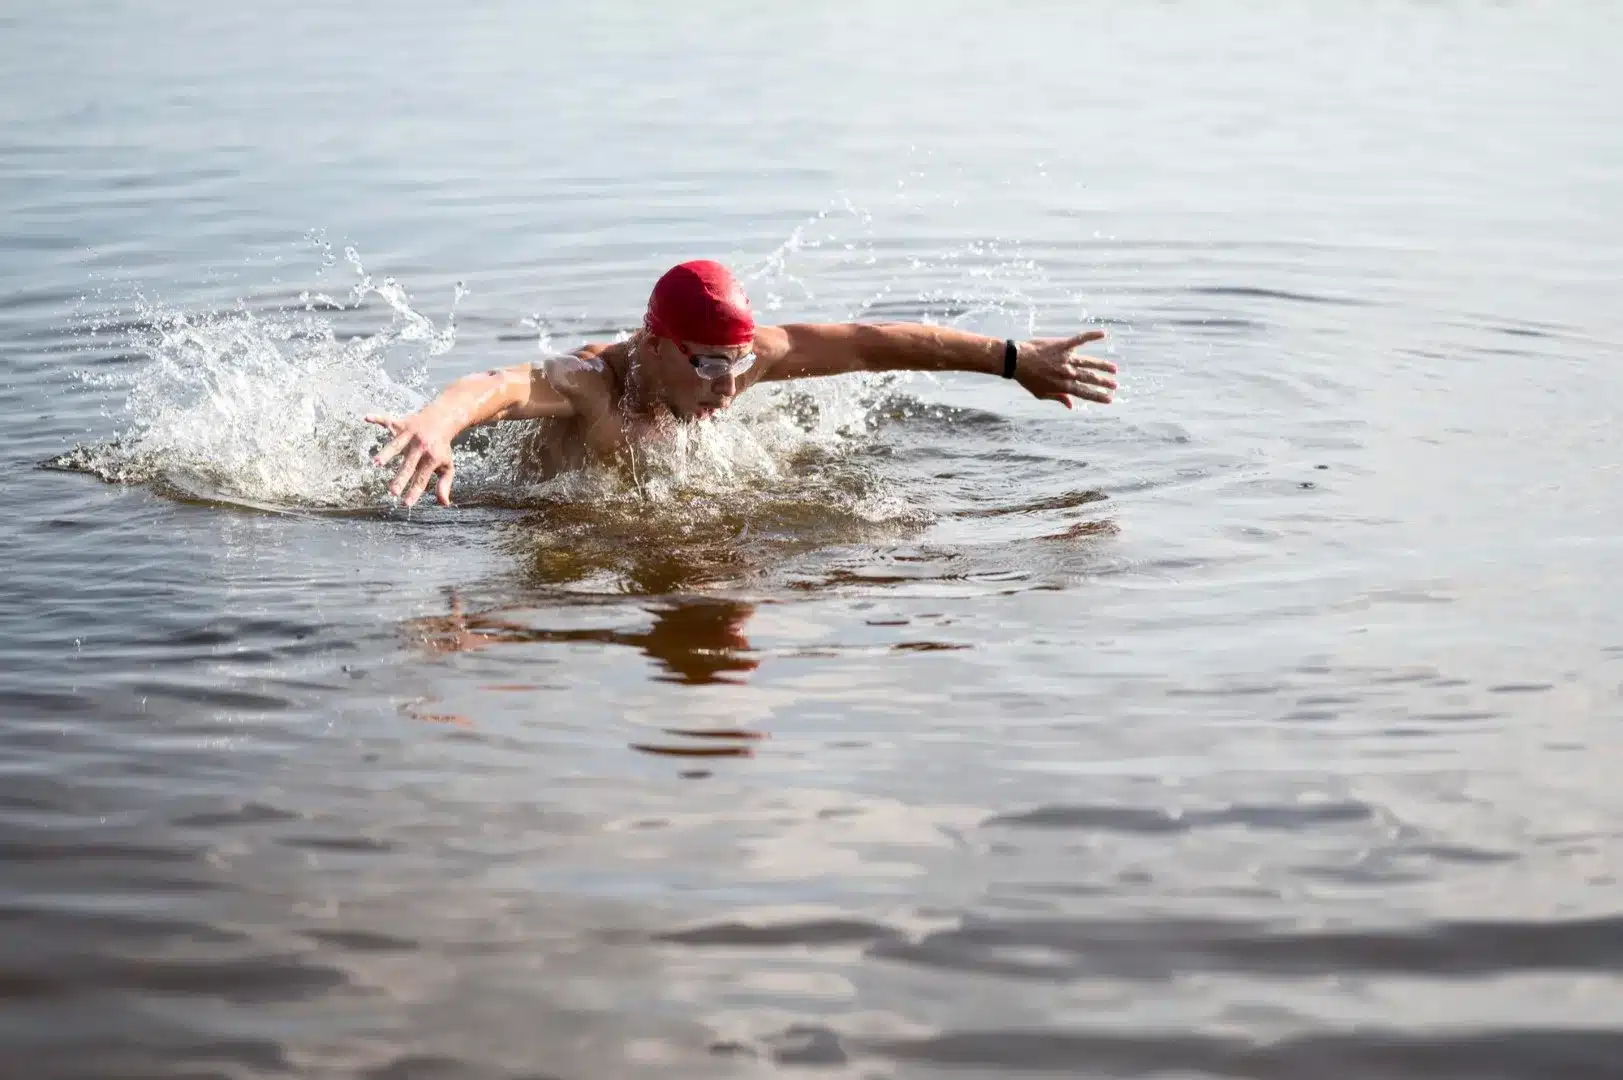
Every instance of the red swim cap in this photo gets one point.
(700, 301)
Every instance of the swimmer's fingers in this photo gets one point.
(1087, 376)
(1091, 385)
(1093, 372)
(1090, 378)
(1063, 399)
(392, 448)
(443, 490)
(408, 469)
(1083, 338)
(419, 482)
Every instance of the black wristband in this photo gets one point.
(1010, 351)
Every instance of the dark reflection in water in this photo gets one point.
(695, 640)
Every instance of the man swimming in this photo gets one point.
(697, 350)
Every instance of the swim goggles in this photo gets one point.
(710, 367)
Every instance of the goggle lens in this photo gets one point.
(711, 368)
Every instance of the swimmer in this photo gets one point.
(697, 350)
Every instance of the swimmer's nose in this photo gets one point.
(726, 386)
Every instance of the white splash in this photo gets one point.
(267, 405)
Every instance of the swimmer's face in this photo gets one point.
(688, 393)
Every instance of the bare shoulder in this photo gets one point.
(585, 375)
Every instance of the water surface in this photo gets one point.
(1261, 725)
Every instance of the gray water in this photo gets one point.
(1265, 724)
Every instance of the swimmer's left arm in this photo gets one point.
(422, 440)
(1049, 368)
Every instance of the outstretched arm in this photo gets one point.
(423, 440)
(1048, 367)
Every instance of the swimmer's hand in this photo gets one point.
(1051, 369)
(423, 443)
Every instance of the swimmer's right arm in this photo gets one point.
(422, 440)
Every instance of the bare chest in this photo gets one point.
(559, 446)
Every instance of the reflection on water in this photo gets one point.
(695, 640)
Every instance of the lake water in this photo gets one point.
(1265, 724)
